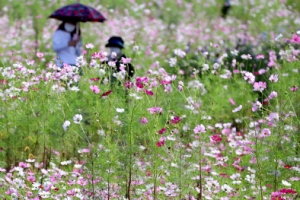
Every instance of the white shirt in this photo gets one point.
(65, 53)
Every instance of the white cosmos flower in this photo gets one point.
(135, 48)
(67, 162)
(66, 125)
(278, 37)
(89, 46)
(120, 110)
(74, 88)
(77, 118)
(226, 188)
(172, 62)
(101, 72)
(237, 109)
(285, 183)
(77, 166)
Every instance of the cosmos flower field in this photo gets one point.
(211, 113)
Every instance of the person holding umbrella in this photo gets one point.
(67, 43)
(67, 38)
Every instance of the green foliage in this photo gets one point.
(294, 5)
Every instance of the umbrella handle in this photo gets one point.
(76, 35)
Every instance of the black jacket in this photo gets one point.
(128, 67)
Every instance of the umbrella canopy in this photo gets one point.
(78, 12)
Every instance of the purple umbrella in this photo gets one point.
(78, 12)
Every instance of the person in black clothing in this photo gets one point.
(225, 9)
(116, 44)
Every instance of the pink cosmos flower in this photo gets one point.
(122, 68)
(272, 95)
(95, 89)
(155, 110)
(82, 181)
(199, 129)
(261, 71)
(257, 105)
(3, 82)
(29, 194)
(97, 55)
(165, 82)
(274, 78)
(260, 56)
(259, 86)
(144, 120)
(253, 160)
(12, 191)
(31, 179)
(39, 54)
(276, 196)
(30, 62)
(126, 60)
(272, 118)
(231, 101)
(294, 88)
(23, 164)
(250, 77)
(128, 85)
(71, 193)
(180, 85)
(265, 133)
(272, 59)
(233, 63)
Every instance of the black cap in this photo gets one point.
(115, 41)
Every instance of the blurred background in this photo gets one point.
(156, 26)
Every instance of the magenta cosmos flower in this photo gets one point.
(161, 131)
(161, 142)
(144, 120)
(149, 92)
(176, 120)
(295, 39)
(105, 94)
